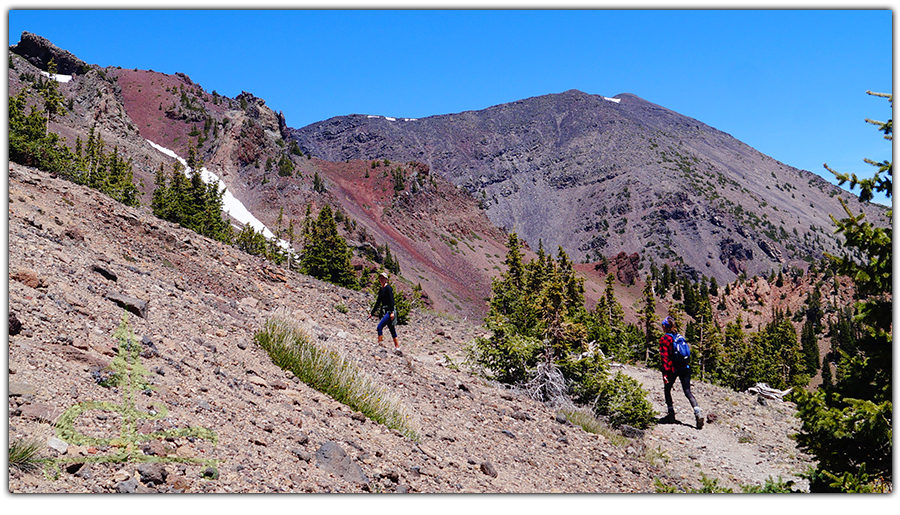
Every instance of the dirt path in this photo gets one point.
(742, 443)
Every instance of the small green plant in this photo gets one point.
(656, 457)
(450, 363)
(771, 486)
(23, 454)
(129, 375)
(329, 372)
(662, 488)
(341, 308)
(710, 486)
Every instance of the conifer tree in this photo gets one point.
(190, 202)
(325, 253)
(810, 347)
(848, 426)
(539, 335)
(733, 365)
(49, 92)
(648, 319)
(29, 142)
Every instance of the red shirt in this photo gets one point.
(665, 348)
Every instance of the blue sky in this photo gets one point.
(790, 83)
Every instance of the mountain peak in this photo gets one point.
(600, 175)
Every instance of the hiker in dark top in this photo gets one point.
(384, 308)
(672, 371)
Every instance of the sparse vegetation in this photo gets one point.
(23, 454)
(329, 372)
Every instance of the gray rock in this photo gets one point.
(57, 445)
(331, 458)
(15, 326)
(488, 469)
(128, 486)
(21, 389)
(631, 432)
(302, 455)
(105, 272)
(40, 51)
(40, 411)
(210, 473)
(130, 304)
(153, 473)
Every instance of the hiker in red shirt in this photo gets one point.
(672, 370)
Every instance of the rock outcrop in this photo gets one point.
(39, 51)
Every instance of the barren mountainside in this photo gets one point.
(599, 176)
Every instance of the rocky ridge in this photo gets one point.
(78, 261)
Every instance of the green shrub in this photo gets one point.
(622, 399)
(505, 357)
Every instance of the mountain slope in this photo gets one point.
(441, 238)
(77, 258)
(599, 176)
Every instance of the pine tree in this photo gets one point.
(184, 198)
(827, 379)
(810, 347)
(29, 142)
(539, 338)
(49, 92)
(848, 426)
(325, 253)
(733, 365)
(647, 317)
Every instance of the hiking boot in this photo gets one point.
(669, 418)
(397, 351)
(699, 417)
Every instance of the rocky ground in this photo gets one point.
(78, 261)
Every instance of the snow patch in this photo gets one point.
(391, 118)
(230, 205)
(57, 77)
(616, 100)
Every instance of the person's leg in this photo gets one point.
(667, 393)
(385, 320)
(685, 376)
(394, 334)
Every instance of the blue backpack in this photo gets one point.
(681, 351)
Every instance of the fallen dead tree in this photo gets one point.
(764, 390)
